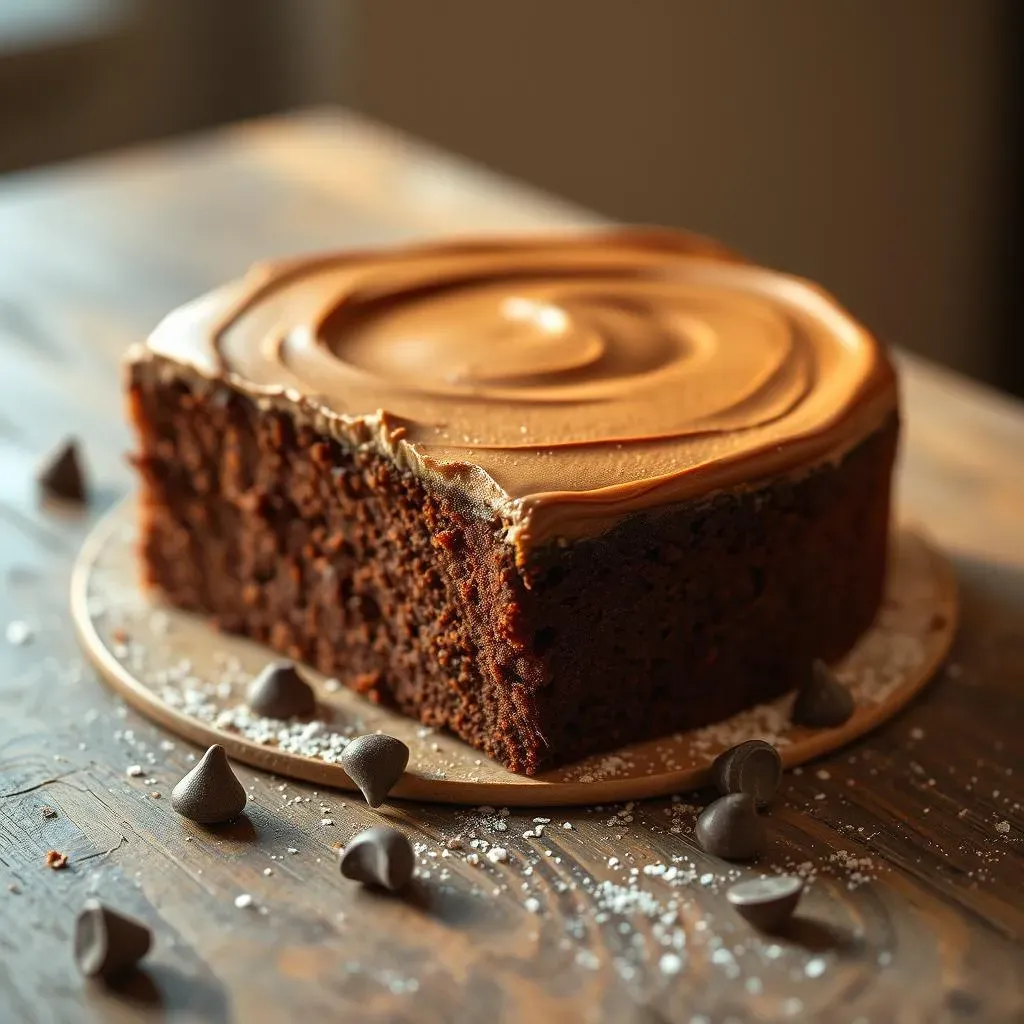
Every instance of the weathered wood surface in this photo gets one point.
(90, 257)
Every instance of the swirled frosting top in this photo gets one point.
(563, 381)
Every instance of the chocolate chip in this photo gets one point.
(61, 476)
(753, 767)
(730, 828)
(279, 691)
(822, 702)
(107, 942)
(210, 793)
(375, 763)
(379, 856)
(767, 903)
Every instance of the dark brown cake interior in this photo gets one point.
(335, 557)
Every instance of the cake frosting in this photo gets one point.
(561, 382)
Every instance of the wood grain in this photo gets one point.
(90, 257)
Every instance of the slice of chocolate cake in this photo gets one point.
(553, 494)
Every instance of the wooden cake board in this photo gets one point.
(179, 671)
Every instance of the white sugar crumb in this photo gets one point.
(497, 855)
(243, 900)
(18, 633)
(858, 870)
(1003, 827)
(292, 849)
(670, 963)
(403, 986)
(532, 904)
(134, 771)
(815, 968)
(567, 825)
(268, 871)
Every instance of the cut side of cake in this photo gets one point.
(555, 495)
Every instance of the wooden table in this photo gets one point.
(921, 918)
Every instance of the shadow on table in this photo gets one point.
(163, 987)
(816, 936)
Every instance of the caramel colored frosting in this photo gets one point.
(561, 381)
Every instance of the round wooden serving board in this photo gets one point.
(176, 669)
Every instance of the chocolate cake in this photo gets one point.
(553, 494)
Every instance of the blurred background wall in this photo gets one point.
(870, 144)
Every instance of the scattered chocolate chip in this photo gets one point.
(107, 942)
(767, 903)
(379, 856)
(209, 793)
(279, 691)
(730, 828)
(56, 860)
(375, 763)
(61, 475)
(822, 702)
(753, 767)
